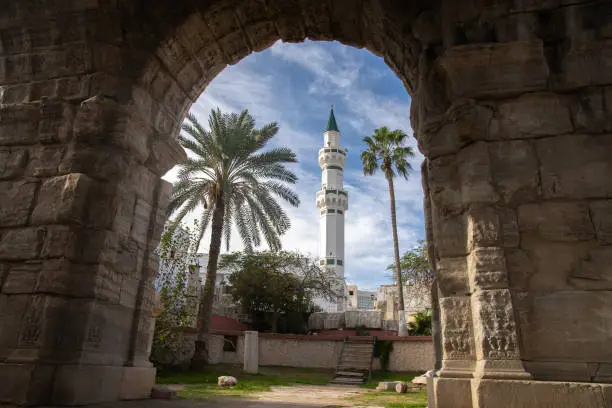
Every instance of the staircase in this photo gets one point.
(355, 362)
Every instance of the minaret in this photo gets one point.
(332, 202)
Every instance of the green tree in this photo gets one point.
(415, 269)
(236, 183)
(386, 150)
(421, 325)
(277, 283)
(177, 254)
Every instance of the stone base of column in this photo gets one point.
(40, 384)
(457, 369)
(485, 393)
(501, 369)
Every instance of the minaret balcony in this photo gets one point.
(332, 157)
(337, 199)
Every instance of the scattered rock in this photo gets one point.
(401, 387)
(226, 381)
(386, 385)
(161, 392)
(421, 379)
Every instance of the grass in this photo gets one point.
(412, 399)
(203, 385)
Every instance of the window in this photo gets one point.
(322, 262)
(331, 211)
(350, 293)
(339, 261)
(334, 168)
(330, 262)
(340, 212)
(230, 343)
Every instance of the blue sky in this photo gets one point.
(294, 85)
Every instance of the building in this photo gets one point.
(360, 299)
(332, 203)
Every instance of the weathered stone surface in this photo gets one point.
(484, 227)
(487, 269)
(45, 161)
(62, 200)
(566, 326)
(575, 166)
(453, 392)
(16, 202)
(514, 171)
(450, 236)
(60, 241)
(492, 393)
(21, 244)
(457, 335)
(492, 69)
(452, 276)
(601, 214)
(594, 272)
(495, 334)
(12, 162)
(444, 185)
(533, 115)
(557, 221)
(475, 174)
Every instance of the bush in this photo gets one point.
(421, 326)
(382, 350)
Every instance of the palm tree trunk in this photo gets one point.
(398, 273)
(200, 356)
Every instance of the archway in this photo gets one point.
(510, 107)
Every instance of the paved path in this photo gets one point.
(278, 397)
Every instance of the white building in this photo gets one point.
(332, 203)
(360, 299)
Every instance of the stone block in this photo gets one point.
(21, 244)
(12, 162)
(575, 166)
(444, 185)
(137, 383)
(456, 323)
(514, 171)
(62, 200)
(484, 227)
(532, 394)
(16, 199)
(21, 279)
(520, 268)
(45, 161)
(452, 392)
(561, 370)
(495, 331)
(60, 241)
(601, 214)
(584, 64)
(450, 236)
(18, 133)
(594, 272)
(452, 276)
(475, 174)
(487, 269)
(591, 112)
(496, 70)
(534, 115)
(509, 228)
(566, 326)
(557, 221)
(86, 384)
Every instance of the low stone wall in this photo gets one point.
(409, 353)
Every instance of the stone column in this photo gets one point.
(77, 249)
(251, 352)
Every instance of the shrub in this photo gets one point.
(421, 326)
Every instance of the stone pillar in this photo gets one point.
(251, 352)
(77, 258)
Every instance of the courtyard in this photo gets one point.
(284, 387)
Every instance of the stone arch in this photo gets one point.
(510, 107)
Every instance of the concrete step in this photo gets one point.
(347, 380)
(350, 374)
(349, 367)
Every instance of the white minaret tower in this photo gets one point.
(332, 202)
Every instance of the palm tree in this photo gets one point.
(236, 184)
(386, 150)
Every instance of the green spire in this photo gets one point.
(331, 123)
